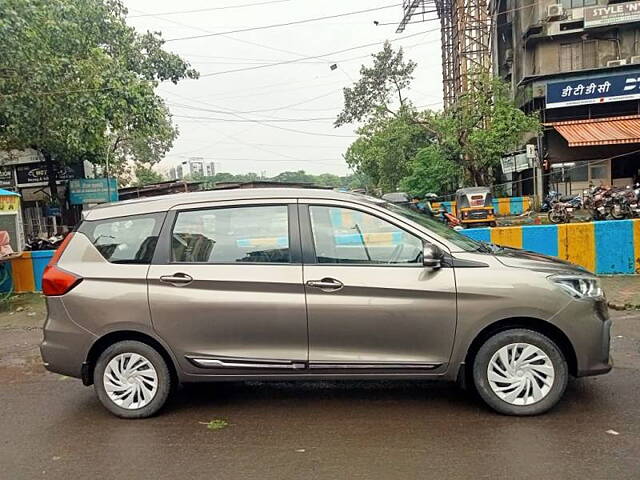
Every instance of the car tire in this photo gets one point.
(535, 376)
(132, 379)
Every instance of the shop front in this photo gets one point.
(592, 132)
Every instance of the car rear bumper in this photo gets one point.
(65, 343)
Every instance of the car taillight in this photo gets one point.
(56, 281)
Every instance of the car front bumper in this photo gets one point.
(588, 326)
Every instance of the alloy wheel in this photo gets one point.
(520, 374)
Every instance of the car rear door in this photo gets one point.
(371, 303)
(225, 287)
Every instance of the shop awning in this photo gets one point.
(599, 131)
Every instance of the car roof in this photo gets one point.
(166, 202)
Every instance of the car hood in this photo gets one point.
(512, 257)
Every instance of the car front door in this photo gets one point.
(371, 303)
(225, 287)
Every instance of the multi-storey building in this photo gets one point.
(193, 168)
(576, 62)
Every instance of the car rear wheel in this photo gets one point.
(132, 379)
(520, 372)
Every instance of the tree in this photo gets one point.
(385, 150)
(392, 131)
(145, 175)
(80, 82)
(480, 128)
(431, 172)
(144, 146)
(299, 176)
(378, 89)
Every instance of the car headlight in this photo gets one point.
(578, 286)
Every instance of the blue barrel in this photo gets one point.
(40, 259)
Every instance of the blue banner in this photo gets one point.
(93, 190)
(610, 88)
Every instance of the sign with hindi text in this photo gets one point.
(611, 88)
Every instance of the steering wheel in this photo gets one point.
(396, 253)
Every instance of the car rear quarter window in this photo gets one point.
(130, 240)
(256, 234)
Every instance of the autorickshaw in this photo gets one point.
(474, 207)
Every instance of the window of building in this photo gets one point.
(578, 55)
(256, 234)
(347, 236)
(129, 240)
(578, 3)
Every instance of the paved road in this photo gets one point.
(55, 428)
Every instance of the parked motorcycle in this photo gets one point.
(555, 197)
(561, 212)
(42, 243)
(598, 200)
(625, 203)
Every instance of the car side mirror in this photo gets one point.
(432, 256)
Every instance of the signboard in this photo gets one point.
(9, 203)
(6, 177)
(611, 14)
(516, 163)
(17, 157)
(93, 190)
(36, 173)
(52, 211)
(611, 88)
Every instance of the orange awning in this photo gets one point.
(600, 131)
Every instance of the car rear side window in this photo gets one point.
(257, 234)
(129, 240)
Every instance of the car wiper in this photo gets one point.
(487, 247)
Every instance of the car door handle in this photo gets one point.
(326, 284)
(177, 279)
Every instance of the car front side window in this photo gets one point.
(348, 236)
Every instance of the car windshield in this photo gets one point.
(461, 241)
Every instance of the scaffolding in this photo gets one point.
(465, 29)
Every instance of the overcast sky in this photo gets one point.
(228, 117)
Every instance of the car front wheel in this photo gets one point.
(520, 372)
(132, 379)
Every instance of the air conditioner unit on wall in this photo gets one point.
(555, 12)
(616, 63)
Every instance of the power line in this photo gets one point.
(259, 120)
(285, 24)
(248, 42)
(225, 159)
(180, 12)
(324, 55)
(274, 109)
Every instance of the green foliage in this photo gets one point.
(216, 424)
(299, 176)
(431, 172)
(392, 132)
(378, 88)
(145, 175)
(385, 149)
(349, 182)
(77, 82)
(482, 126)
(143, 146)
(399, 147)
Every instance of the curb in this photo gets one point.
(623, 306)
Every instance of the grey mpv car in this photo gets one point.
(288, 284)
